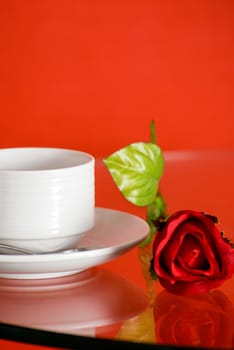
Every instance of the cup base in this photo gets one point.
(38, 246)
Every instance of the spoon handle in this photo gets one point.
(29, 252)
(16, 249)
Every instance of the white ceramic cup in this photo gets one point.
(47, 197)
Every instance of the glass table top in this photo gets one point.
(117, 300)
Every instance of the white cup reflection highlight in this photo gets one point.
(73, 304)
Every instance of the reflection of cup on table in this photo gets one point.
(78, 304)
(47, 197)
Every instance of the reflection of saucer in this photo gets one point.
(114, 233)
(73, 304)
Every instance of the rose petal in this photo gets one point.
(211, 268)
(209, 234)
(168, 230)
(224, 254)
(161, 241)
(185, 234)
(169, 256)
(203, 234)
(190, 288)
(191, 253)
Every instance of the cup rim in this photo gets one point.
(88, 159)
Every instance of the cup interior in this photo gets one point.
(41, 159)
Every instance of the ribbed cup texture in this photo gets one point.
(47, 204)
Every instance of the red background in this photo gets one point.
(91, 74)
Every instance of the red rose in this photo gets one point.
(190, 255)
(204, 320)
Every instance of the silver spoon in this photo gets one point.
(29, 252)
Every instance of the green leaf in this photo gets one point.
(136, 170)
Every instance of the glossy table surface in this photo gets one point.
(118, 300)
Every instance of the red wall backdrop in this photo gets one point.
(92, 74)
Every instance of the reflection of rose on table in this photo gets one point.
(204, 320)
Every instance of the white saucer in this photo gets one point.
(115, 232)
